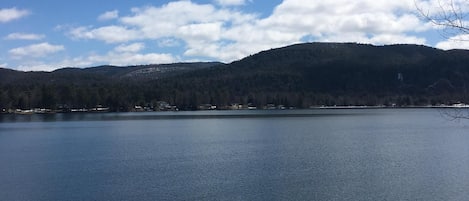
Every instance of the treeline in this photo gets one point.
(119, 97)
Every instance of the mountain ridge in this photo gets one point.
(105, 72)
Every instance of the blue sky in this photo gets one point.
(50, 34)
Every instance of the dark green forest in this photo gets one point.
(299, 76)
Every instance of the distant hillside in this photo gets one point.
(338, 74)
(302, 75)
(102, 74)
(338, 68)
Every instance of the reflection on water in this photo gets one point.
(176, 115)
(376, 154)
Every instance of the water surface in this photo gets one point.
(367, 154)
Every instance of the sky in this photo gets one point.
(50, 34)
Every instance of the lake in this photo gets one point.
(333, 154)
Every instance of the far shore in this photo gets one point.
(214, 108)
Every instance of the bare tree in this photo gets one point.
(451, 15)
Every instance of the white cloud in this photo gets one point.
(109, 15)
(156, 22)
(36, 66)
(124, 55)
(109, 34)
(168, 42)
(456, 42)
(230, 2)
(10, 14)
(384, 39)
(435, 7)
(134, 47)
(196, 25)
(24, 36)
(165, 21)
(330, 18)
(35, 50)
(3, 65)
(201, 31)
(111, 58)
(130, 58)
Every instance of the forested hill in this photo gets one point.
(302, 75)
(337, 74)
(102, 74)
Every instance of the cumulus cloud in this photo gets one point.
(111, 58)
(32, 57)
(168, 42)
(230, 2)
(435, 7)
(36, 66)
(24, 36)
(160, 22)
(109, 34)
(328, 18)
(201, 31)
(10, 14)
(124, 54)
(455, 42)
(134, 47)
(35, 50)
(130, 58)
(109, 15)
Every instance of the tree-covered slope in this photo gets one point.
(338, 74)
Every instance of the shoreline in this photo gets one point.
(106, 110)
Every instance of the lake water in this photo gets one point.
(367, 154)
